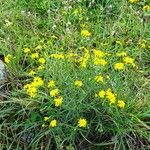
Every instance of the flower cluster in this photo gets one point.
(133, 1)
(52, 123)
(111, 97)
(125, 61)
(8, 58)
(99, 58)
(55, 93)
(82, 122)
(85, 33)
(31, 88)
(78, 83)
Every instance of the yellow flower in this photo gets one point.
(133, 1)
(26, 50)
(121, 104)
(51, 83)
(71, 55)
(46, 118)
(119, 66)
(38, 47)
(142, 43)
(57, 56)
(121, 54)
(26, 86)
(40, 67)
(75, 12)
(31, 73)
(83, 25)
(82, 123)
(58, 101)
(32, 94)
(129, 60)
(37, 81)
(34, 55)
(42, 61)
(99, 78)
(101, 94)
(98, 61)
(83, 63)
(53, 123)
(78, 83)
(118, 42)
(85, 33)
(7, 58)
(54, 92)
(98, 53)
(146, 7)
(31, 90)
(110, 96)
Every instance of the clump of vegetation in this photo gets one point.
(78, 74)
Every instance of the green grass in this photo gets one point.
(115, 27)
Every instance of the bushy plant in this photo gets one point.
(78, 75)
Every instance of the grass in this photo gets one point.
(54, 30)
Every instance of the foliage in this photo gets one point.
(78, 74)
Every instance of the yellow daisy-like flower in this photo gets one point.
(146, 7)
(38, 47)
(37, 81)
(142, 43)
(133, 1)
(98, 61)
(40, 68)
(85, 33)
(119, 42)
(101, 94)
(57, 56)
(7, 58)
(31, 73)
(53, 123)
(46, 118)
(51, 84)
(31, 90)
(98, 53)
(119, 66)
(32, 93)
(121, 54)
(34, 55)
(121, 104)
(42, 61)
(83, 63)
(58, 101)
(54, 92)
(78, 83)
(82, 123)
(99, 78)
(26, 50)
(129, 60)
(110, 96)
